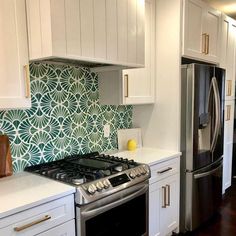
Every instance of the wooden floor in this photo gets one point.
(224, 223)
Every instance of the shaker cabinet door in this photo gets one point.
(228, 144)
(201, 31)
(211, 26)
(192, 31)
(164, 206)
(14, 69)
(227, 58)
(169, 220)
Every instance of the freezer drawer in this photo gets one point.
(203, 195)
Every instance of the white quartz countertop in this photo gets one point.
(25, 190)
(150, 156)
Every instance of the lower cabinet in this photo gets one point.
(228, 144)
(164, 203)
(66, 229)
(54, 218)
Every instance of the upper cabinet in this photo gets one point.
(133, 86)
(104, 31)
(227, 58)
(201, 31)
(14, 69)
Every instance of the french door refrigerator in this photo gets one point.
(202, 134)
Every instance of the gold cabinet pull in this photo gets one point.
(27, 81)
(208, 43)
(228, 112)
(126, 78)
(23, 227)
(163, 197)
(229, 88)
(204, 43)
(168, 195)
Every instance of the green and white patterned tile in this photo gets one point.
(65, 117)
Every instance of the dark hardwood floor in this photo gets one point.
(224, 223)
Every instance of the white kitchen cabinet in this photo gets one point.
(164, 198)
(228, 144)
(133, 86)
(55, 217)
(228, 59)
(14, 69)
(66, 229)
(104, 32)
(201, 31)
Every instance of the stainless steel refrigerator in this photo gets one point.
(202, 134)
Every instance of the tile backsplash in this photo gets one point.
(65, 117)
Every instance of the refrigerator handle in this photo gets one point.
(217, 111)
(198, 176)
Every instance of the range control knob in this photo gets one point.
(132, 174)
(92, 189)
(143, 170)
(100, 186)
(138, 172)
(146, 169)
(106, 183)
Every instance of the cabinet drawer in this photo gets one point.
(164, 169)
(66, 229)
(38, 219)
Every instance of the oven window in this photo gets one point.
(129, 218)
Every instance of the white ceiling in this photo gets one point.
(226, 6)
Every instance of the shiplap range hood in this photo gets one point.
(87, 32)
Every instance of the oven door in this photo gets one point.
(122, 213)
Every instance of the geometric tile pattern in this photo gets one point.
(65, 117)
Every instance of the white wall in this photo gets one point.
(160, 123)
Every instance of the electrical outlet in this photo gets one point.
(106, 130)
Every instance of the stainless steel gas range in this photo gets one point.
(111, 193)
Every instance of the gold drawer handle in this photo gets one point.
(228, 111)
(126, 78)
(168, 195)
(204, 43)
(45, 218)
(208, 43)
(27, 81)
(229, 88)
(163, 171)
(164, 198)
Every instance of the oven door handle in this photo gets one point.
(98, 210)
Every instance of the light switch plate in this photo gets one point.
(106, 131)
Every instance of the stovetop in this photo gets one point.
(94, 175)
(79, 169)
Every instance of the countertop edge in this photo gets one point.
(177, 155)
(36, 203)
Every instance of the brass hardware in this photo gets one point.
(204, 43)
(126, 78)
(27, 81)
(168, 195)
(164, 198)
(45, 218)
(228, 111)
(207, 43)
(229, 88)
(163, 171)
